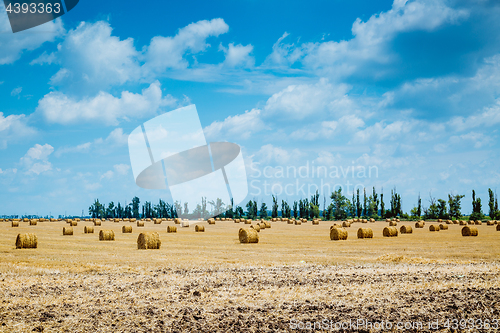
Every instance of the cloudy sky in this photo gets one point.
(407, 88)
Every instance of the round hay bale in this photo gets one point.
(127, 229)
(449, 222)
(33, 222)
(338, 234)
(439, 220)
(26, 219)
(106, 235)
(443, 226)
(406, 229)
(178, 221)
(88, 230)
(67, 231)
(133, 220)
(116, 220)
(335, 225)
(140, 223)
(248, 235)
(478, 223)
(387, 220)
(210, 221)
(470, 222)
(199, 228)
(469, 231)
(393, 224)
(158, 221)
(372, 220)
(462, 222)
(346, 224)
(365, 233)
(498, 227)
(261, 225)
(365, 221)
(455, 221)
(390, 232)
(290, 221)
(433, 227)
(73, 223)
(298, 222)
(267, 224)
(248, 221)
(490, 223)
(97, 223)
(171, 229)
(15, 224)
(185, 224)
(315, 222)
(256, 227)
(236, 220)
(273, 219)
(419, 224)
(26, 241)
(148, 240)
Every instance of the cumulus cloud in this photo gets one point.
(13, 127)
(242, 125)
(301, 101)
(370, 42)
(115, 139)
(238, 55)
(12, 46)
(168, 52)
(56, 107)
(92, 58)
(36, 159)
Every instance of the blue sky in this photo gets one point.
(409, 88)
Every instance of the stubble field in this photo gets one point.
(294, 278)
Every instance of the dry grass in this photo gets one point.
(213, 283)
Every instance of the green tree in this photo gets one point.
(135, 207)
(365, 212)
(358, 205)
(263, 211)
(340, 205)
(353, 205)
(442, 211)
(295, 209)
(477, 212)
(274, 210)
(382, 204)
(491, 204)
(455, 205)
(432, 212)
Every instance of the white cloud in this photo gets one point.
(83, 148)
(36, 159)
(238, 55)
(168, 52)
(115, 139)
(45, 58)
(242, 125)
(107, 175)
(370, 39)
(268, 154)
(121, 169)
(92, 58)
(302, 101)
(16, 91)
(489, 117)
(12, 45)
(13, 127)
(57, 107)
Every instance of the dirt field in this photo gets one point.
(294, 278)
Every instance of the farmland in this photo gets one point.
(208, 281)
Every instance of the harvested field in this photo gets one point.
(213, 283)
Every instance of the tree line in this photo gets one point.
(340, 207)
